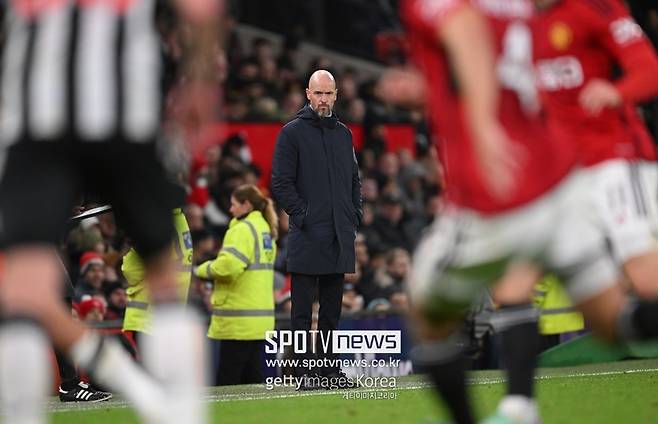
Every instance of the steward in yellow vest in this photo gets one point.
(137, 311)
(558, 314)
(243, 297)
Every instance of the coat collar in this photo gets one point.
(309, 114)
(249, 216)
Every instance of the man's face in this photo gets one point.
(399, 267)
(95, 276)
(321, 94)
(118, 298)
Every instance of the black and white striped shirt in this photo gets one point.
(84, 68)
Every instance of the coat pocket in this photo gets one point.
(299, 218)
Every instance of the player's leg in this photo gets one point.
(624, 205)
(30, 293)
(174, 352)
(516, 320)
(614, 317)
(579, 255)
(451, 267)
(438, 352)
(24, 371)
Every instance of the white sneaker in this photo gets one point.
(515, 409)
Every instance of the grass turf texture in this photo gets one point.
(621, 392)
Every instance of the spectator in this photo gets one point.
(365, 285)
(86, 236)
(390, 279)
(91, 310)
(370, 190)
(92, 275)
(117, 300)
(388, 169)
(352, 301)
(203, 248)
(389, 227)
(194, 216)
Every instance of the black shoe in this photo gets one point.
(83, 392)
(310, 382)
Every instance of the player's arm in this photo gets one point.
(200, 22)
(622, 37)
(196, 96)
(404, 87)
(466, 36)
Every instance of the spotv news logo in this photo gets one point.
(340, 341)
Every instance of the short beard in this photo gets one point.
(323, 113)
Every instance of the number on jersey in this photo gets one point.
(514, 67)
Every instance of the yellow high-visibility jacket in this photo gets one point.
(137, 312)
(558, 315)
(243, 273)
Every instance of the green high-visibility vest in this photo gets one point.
(243, 273)
(138, 310)
(558, 315)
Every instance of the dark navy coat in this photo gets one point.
(315, 179)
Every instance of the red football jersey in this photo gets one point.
(578, 40)
(549, 157)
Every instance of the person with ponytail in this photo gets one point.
(243, 298)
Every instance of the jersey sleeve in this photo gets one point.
(619, 34)
(233, 258)
(427, 16)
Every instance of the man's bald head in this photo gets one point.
(321, 76)
(321, 92)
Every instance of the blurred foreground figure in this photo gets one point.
(577, 46)
(514, 203)
(585, 100)
(81, 110)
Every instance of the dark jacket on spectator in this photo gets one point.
(388, 235)
(315, 179)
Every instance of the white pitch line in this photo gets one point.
(233, 397)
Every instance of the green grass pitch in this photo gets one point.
(622, 392)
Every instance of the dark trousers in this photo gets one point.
(240, 362)
(329, 291)
(68, 375)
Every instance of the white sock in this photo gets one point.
(175, 353)
(519, 409)
(113, 368)
(25, 374)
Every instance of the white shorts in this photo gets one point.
(648, 184)
(622, 202)
(464, 251)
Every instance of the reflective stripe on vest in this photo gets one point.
(235, 252)
(555, 311)
(256, 244)
(257, 265)
(243, 312)
(260, 266)
(137, 305)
